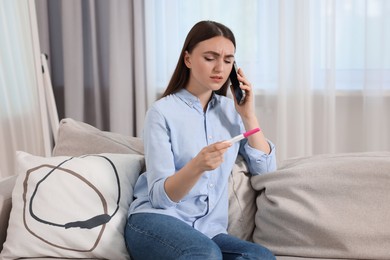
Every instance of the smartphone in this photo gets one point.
(239, 94)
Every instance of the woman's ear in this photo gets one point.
(187, 59)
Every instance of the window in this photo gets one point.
(20, 118)
(17, 71)
(345, 40)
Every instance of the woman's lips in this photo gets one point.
(216, 78)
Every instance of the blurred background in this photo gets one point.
(320, 68)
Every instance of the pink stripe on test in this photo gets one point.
(251, 132)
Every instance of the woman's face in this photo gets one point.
(210, 63)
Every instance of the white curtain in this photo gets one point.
(334, 80)
(321, 68)
(97, 57)
(21, 121)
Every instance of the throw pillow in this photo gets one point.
(326, 206)
(71, 207)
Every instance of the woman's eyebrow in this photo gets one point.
(217, 54)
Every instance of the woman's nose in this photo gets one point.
(219, 66)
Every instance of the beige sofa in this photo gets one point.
(319, 207)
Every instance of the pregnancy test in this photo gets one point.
(244, 135)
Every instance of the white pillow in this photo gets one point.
(71, 207)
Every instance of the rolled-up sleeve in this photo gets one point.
(158, 197)
(258, 161)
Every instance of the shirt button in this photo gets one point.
(210, 137)
(211, 185)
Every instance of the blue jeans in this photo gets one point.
(156, 236)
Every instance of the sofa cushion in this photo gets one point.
(77, 138)
(326, 206)
(242, 202)
(71, 207)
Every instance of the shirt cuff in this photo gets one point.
(260, 162)
(158, 196)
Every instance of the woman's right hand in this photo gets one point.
(211, 156)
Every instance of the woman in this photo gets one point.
(180, 209)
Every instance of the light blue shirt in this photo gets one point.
(176, 129)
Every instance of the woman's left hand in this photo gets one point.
(246, 109)
(248, 116)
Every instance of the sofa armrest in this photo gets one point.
(6, 187)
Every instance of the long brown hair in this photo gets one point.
(201, 31)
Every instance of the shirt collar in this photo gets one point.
(193, 101)
(187, 97)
